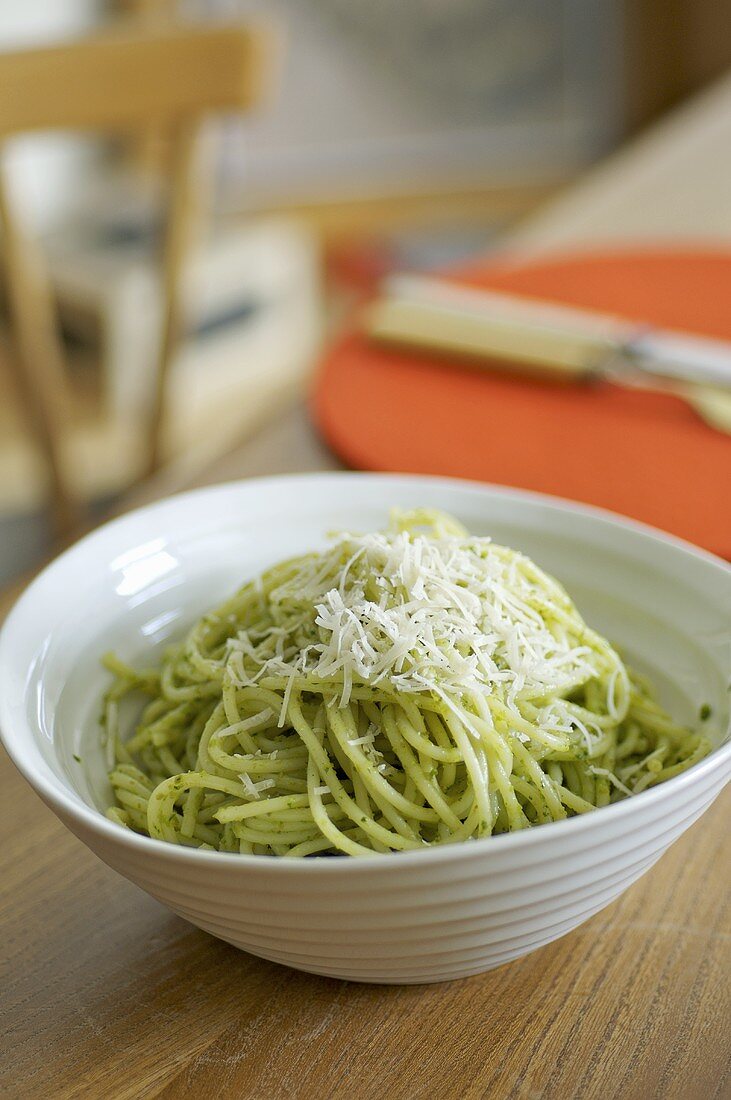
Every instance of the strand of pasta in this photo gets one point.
(231, 754)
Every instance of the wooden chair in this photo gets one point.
(121, 81)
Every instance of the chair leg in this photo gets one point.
(190, 175)
(38, 359)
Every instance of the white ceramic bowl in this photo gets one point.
(408, 917)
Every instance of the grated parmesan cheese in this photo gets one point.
(612, 779)
(447, 614)
(255, 789)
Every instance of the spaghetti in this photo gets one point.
(412, 687)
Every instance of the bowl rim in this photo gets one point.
(54, 795)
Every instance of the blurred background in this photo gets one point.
(415, 135)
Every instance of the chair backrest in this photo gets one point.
(122, 81)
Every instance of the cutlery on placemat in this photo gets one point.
(552, 341)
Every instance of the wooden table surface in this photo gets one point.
(105, 994)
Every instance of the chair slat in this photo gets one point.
(123, 79)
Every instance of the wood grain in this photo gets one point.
(106, 994)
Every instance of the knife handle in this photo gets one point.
(482, 339)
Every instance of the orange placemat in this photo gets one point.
(645, 455)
